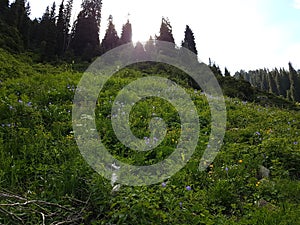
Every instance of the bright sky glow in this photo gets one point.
(238, 34)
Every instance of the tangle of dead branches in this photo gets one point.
(18, 209)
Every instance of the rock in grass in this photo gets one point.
(262, 203)
(263, 172)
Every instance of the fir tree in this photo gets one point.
(126, 35)
(111, 38)
(60, 30)
(50, 34)
(52, 13)
(165, 33)
(227, 74)
(63, 25)
(139, 51)
(294, 81)
(216, 70)
(67, 20)
(272, 84)
(150, 45)
(85, 37)
(189, 40)
(4, 9)
(18, 17)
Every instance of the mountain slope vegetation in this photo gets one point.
(45, 180)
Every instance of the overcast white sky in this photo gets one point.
(238, 34)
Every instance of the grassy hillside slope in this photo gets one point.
(45, 180)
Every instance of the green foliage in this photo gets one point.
(10, 38)
(44, 178)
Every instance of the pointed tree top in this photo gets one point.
(110, 18)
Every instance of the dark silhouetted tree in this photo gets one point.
(85, 37)
(272, 84)
(227, 74)
(60, 46)
(216, 70)
(294, 88)
(4, 9)
(48, 34)
(189, 40)
(67, 26)
(126, 35)
(111, 38)
(165, 32)
(18, 17)
(63, 25)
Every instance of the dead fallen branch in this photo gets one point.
(20, 209)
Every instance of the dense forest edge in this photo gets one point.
(45, 180)
(54, 39)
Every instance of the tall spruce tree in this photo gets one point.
(165, 32)
(227, 74)
(60, 30)
(85, 39)
(189, 40)
(139, 51)
(126, 35)
(48, 34)
(4, 9)
(18, 17)
(63, 25)
(272, 83)
(67, 26)
(278, 81)
(150, 45)
(111, 38)
(294, 81)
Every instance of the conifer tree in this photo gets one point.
(67, 20)
(18, 17)
(139, 51)
(85, 37)
(60, 30)
(52, 13)
(294, 81)
(62, 26)
(272, 84)
(111, 38)
(216, 70)
(265, 83)
(189, 40)
(279, 83)
(126, 35)
(227, 74)
(48, 34)
(4, 9)
(285, 82)
(165, 33)
(150, 45)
